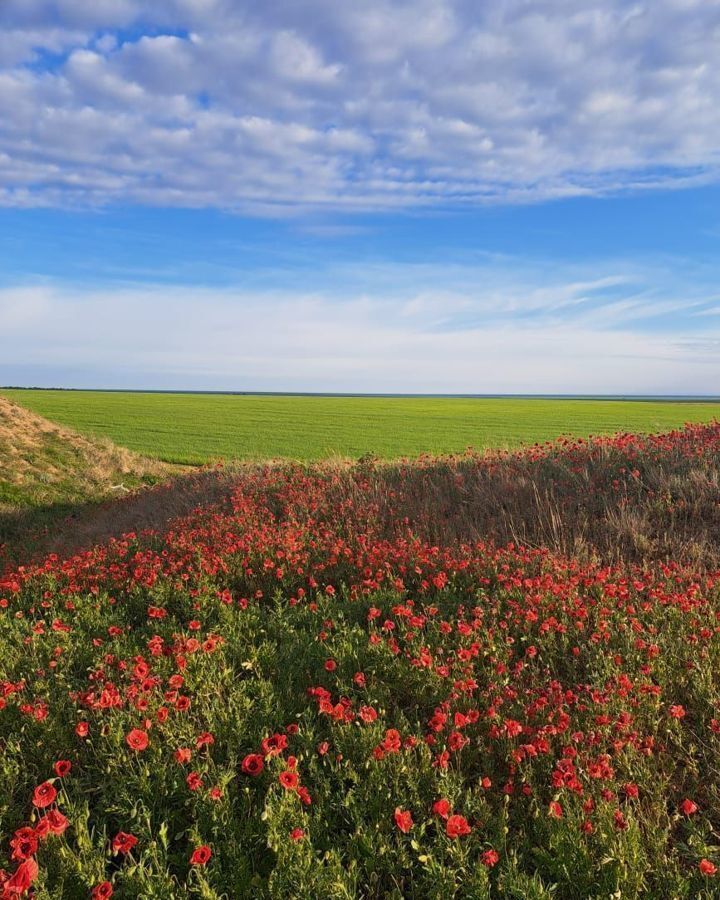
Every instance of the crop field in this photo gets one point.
(326, 684)
(197, 428)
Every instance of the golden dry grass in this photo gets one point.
(41, 462)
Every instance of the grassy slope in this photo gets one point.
(49, 473)
(191, 428)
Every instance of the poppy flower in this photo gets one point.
(200, 856)
(456, 826)
(490, 858)
(123, 842)
(442, 808)
(688, 808)
(555, 810)
(619, 820)
(102, 891)
(24, 843)
(44, 794)
(253, 764)
(54, 822)
(403, 820)
(22, 878)
(62, 768)
(137, 739)
(289, 780)
(297, 834)
(194, 781)
(706, 867)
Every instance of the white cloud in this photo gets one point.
(275, 106)
(485, 331)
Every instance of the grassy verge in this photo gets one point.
(51, 478)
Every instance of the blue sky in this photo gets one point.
(436, 196)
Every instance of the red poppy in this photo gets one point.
(456, 826)
(289, 780)
(200, 856)
(123, 842)
(620, 820)
(403, 820)
(24, 843)
(297, 834)
(194, 781)
(44, 794)
(21, 879)
(442, 808)
(706, 867)
(253, 764)
(490, 858)
(53, 822)
(62, 767)
(555, 810)
(688, 808)
(137, 739)
(102, 891)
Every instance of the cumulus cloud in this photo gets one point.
(500, 330)
(277, 106)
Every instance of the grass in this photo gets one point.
(43, 464)
(196, 428)
(52, 479)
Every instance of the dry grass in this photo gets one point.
(669, 510)
(55, 483)
(43, 462)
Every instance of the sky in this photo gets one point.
(436, 196)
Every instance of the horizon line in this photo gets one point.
(627, 397)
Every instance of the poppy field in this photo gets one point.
(291, 693)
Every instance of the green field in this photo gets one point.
(195, 428)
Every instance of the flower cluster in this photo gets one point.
(284, 696)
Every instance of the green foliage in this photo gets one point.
(197, 428)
